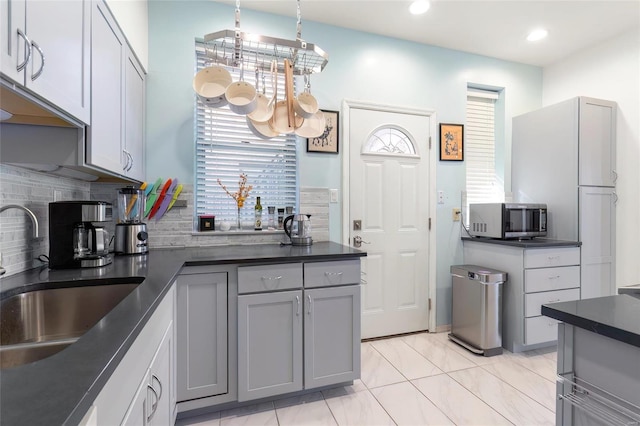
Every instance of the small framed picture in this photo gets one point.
(328, 141)
(451, 142)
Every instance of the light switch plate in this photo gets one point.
(333, 195)
(440, 197)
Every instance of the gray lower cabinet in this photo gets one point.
(269, 344)
(331, 335)
(300, 338)
(202, 321)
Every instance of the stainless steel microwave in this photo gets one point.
(508, 220)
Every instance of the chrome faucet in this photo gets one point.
(34, 219)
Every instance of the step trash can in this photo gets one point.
(476, 314)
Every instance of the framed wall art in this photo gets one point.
(451, 142)
(327, 142)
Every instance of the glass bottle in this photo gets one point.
(272, 217)
(258, 221)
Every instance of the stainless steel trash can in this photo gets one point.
(476, 314)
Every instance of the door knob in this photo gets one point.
(358, 241)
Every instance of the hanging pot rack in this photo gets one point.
(236, 47)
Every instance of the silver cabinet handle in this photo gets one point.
(131, 160)
(27, 45)
(615, 176)
(309, 307)
(154, 377)
(329, 274)
(279, 277)
(298, 306)
(615, 198)
(554, 277)
(37, 74)
(154, 406)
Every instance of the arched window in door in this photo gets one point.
(390, 140)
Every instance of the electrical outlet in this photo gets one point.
(456, 215)
(440, 197)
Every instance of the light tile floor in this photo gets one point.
(419, 379)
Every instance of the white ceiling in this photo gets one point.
(491, 28)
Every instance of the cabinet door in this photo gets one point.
(60, 34)
(269, 344)
(159, 410)
(137, 414)
(597, 154)
(104, 148)
(597, 233)
(13, 49)
(202, 335)
(134, 106)
(331, 335)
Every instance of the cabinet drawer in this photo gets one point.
(539, 330)
(325, 274)
(533, 302)
(547, 279)
(254, 279)
(545, 258)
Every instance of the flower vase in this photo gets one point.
(239, 223)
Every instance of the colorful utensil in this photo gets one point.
(152, 195)
(161, 196)
(175, 196)
(167, 199)
(133, 200)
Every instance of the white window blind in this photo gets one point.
(225, 148)
(480, 148)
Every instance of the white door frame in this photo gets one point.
(347, 104)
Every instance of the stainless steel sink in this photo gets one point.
(37, 324)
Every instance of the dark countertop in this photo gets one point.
(526, 243)
(617, 317)
(61, 388)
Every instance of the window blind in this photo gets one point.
(225, 148)
(480, 147)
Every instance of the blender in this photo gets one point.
(131, 232)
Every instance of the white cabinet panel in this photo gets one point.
(549, 257)
(533, 302)
(539, 330)
(597, 232)
(546, 279)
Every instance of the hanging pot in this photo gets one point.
(241, 95)
(305, 104)
(313, 126)
(210, 84)
(264, 105)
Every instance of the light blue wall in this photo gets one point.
(362, 67)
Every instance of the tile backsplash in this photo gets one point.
(36, 190)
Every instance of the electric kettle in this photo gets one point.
(298, 229)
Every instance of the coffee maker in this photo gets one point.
(76, 240)
(131, 232)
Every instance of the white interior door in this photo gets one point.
(389, 191)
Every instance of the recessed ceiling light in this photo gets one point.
(536, 35)
(419, 7)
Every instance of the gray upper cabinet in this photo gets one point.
(331, 335)
(202, 354)
(134, 121)
(107, 62)
(597, 135)
(269, 344)
(46, 48)
(116, 133)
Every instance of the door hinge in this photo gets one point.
(429, 142)
(429, 303)
(429, 224)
